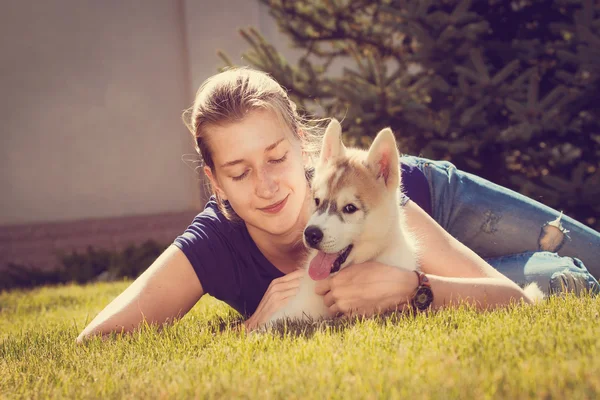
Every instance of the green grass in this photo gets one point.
(546, 351)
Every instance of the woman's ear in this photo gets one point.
(214, 183)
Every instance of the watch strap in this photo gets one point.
(423, 295)
(423, 279)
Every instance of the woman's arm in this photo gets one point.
(456, 272)
(167, 290)
(484, 293)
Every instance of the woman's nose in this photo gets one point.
(267, 184)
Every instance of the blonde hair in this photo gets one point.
(228, 96)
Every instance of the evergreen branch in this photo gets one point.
(505, 72)
(462, 84)
(566, 77)
(467, 115)
(329, 61)
(587, 36)
(559, 184)
(419, 84)
(422, 7)
(585, 15)
(520, 81)
(439, 83)
(477, 60)
(558, 106)
(248, 38)
(400, 74)
(553, 96)
(515, 107)
(355, 53)
(225, 58)
(567, 56)
(578, 173)
(467, 73)
(360, 77)
(533, 92)
(461, 9)
(371, 66)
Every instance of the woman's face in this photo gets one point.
(259, 170)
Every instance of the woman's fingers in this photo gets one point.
(278, 300)
(328, 299)
(286, 282)
(277, 295)
(273, 292)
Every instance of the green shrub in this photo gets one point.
(93, 264)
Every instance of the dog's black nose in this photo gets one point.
(313, 235)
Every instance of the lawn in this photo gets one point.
(545, 351)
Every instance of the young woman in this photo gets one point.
(480, 241)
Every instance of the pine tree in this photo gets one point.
(507, 90)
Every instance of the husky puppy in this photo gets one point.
(357, 216)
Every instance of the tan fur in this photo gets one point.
(355, 175)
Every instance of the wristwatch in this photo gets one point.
(423, 296)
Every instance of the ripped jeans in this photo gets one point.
(520, 237)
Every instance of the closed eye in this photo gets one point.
(276, 161)
(279, 160)
(240, 177)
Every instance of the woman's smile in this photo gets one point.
(276, 207)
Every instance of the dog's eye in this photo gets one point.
(317, 201)
(350, 208)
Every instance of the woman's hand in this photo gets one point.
(279, 292)
(368, 288)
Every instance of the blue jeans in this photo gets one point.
(520, 237)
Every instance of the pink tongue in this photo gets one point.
(320, 266)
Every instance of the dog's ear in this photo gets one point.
(332, 142)
(383, 158)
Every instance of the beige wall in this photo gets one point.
(91, 102)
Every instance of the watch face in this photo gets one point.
(423, 298)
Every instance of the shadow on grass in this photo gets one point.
(309, 327)
(306, 328)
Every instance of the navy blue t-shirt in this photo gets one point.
(230, 266)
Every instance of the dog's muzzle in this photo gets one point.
(341, 259)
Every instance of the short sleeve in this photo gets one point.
(207, 247)
(415, 185)
(403, 199)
